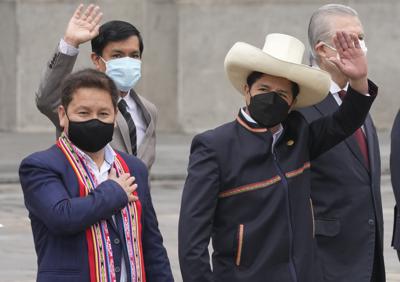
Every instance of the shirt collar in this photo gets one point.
(253, 122)
(109, 155)
(335, 88)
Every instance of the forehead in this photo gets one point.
(349, 24)
(91, 98)
(128, 45)
(274, 82)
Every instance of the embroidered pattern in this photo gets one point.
(101, 260)
(296, 172)
(258, 130)
(240, 244)
(250, 187)
(263, 184)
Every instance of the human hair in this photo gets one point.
(114, 31)
(256, 75)
(87, 78)
(319, 27)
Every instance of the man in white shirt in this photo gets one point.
(117, 50)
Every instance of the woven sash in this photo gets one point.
(101, 260)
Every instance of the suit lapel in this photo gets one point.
(122, 126)
(149, 122)
(142, 108)
(329, 106)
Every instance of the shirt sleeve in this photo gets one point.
(67, 49)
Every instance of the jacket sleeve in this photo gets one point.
(48, 95)
(199, 201)
(395, 177)
(328, 131)
(47, 199)
(156, 260)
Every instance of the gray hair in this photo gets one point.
(319, 28)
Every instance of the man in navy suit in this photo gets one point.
(90, 209)
(345, 181)
(395, 176)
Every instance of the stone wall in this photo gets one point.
(185, 45)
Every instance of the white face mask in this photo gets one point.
(125, 72)
(361, 42)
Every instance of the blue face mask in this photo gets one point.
(125, 72)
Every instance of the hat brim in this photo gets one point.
(244, 59)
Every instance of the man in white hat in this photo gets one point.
(248, 183)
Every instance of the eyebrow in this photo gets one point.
(278, 90)
(136, 52)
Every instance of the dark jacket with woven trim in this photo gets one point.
(254, 202)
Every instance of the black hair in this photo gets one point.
(114, 31)
(255, 75)
(87, 78)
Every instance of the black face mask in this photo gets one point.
(91, 135)
(268, 109)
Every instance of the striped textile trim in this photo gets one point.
(240, 244)
(250, 187)
(257, 130)
(298, 171)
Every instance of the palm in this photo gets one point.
(83, 26)
(352, 61)
(82, 30)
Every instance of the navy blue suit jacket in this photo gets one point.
(347, 204)
(59, 218)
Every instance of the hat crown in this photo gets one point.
(284, 47)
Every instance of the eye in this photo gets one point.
(283, 95)
(361, 36)
(104, 114)
(136, 56)
(82, 113)
(116, 56)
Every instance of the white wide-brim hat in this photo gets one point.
(281, 56)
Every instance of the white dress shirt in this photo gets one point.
(101, 175)
(133, 109)
(275, 136)
(137, 117)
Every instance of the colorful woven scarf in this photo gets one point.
(101, 260)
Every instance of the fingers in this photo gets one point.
(344, 41)
(78, 12)
(93, 15)
(355, 40)
(88, 12)
(96, 22)
(129, 192)
(130, 180)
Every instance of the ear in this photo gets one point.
(97, 62)
(320, 50)
(246, 93)
(62, 117)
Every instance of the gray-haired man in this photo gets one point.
(346, 180)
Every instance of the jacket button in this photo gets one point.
(117, 269)
(371, 222)
(116, 241)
